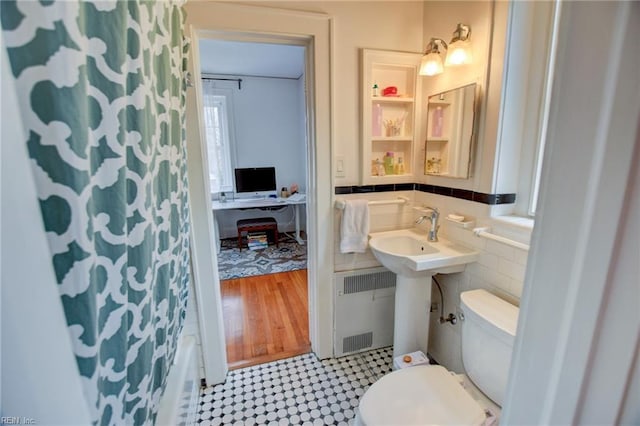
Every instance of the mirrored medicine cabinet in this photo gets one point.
(451, 130)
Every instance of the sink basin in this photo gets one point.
(408, 252)
(414, 260)
(403, 245)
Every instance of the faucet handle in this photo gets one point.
(434, 210)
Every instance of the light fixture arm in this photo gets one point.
(462, 33)
(434, 46)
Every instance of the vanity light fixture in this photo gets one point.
(431, 63)
(459, 51)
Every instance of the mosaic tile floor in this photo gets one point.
(299, 390)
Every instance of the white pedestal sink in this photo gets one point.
(415, 260)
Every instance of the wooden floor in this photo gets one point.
(265, 317)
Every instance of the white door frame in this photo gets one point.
(312, 30)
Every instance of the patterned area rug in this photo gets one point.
(233, 263)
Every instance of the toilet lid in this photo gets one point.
(421, 395)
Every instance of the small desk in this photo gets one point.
(256, 203)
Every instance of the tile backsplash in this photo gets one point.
(381, 218)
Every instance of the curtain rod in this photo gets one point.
(239, 80)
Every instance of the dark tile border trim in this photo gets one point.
(479, 197)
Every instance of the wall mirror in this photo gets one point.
(451, 130)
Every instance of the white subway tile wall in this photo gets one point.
(381, 218)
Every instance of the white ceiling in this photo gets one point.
(251, 59)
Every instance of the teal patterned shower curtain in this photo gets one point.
(102, 97)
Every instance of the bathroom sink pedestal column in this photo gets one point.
(415, 260)
(412, 311)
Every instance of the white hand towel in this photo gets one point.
(354, 229)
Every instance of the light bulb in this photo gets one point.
(431, 64)
(459, 53)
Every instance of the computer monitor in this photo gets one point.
(256, 180)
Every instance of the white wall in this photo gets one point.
(269, 121)
(440, 20)
(268, 132)
(488, 28)
(388, 25)
(408, 26)
(303, 126)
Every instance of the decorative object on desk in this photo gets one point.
(233, 263)
(297, 197)
(283, 192)
(294, 188)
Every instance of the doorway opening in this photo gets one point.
(254, 100)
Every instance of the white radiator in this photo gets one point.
(364, 303)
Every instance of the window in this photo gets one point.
(544, 106)
(219, 136)
(530, 61)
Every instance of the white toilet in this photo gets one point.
(431, 395)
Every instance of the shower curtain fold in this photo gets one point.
(102, 94)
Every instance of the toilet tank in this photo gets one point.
(488, 331)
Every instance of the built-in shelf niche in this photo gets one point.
(386, 69)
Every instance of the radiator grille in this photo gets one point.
(367, 282)
(357, 342)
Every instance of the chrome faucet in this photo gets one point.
(433, 217)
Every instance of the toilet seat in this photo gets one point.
(421, 395)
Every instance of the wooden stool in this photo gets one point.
(259, 224)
